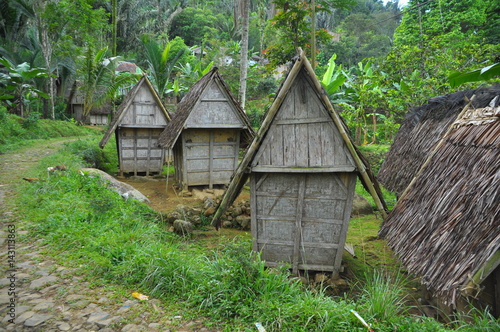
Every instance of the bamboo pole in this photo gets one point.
(347, 140)
(241, 173)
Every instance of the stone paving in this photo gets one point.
(38, 295)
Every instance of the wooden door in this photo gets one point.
(301, 219)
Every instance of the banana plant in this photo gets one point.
(17, 83)
(334, 77)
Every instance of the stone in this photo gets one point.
(237, 211)
(124, 189)
(24, 316)
(63, 326)
(183, 227)
(43, 281)
(4, 297)
(75, 297)
(97, 316)
(106, 322)
(43, 306)
(154, 325)
(361, 206)
(37, 319)
(320, 277)
(243, 221)
(79, 304)
(131, 328)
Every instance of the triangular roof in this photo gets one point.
(420, 131)
(300, 64)
(446, 226)
(125, 105)
(192, 99)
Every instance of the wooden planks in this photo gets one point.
(301, 218)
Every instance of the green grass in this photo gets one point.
(118, 242)
(16, 132)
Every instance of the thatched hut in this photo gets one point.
(419, 133)
(206, 133)
(446, 226)
(137, 124)
(302, 167)
(98, 116)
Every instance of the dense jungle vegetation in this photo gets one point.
(375, 59)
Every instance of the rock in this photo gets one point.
(210, 211)
(243, 221)
(237, 211)
(227, 224)
(75, 297)
(43, 306)
(23, 317)
(63, 326)
(43, 281)
(185, 193)
(172, 216)
(124, 189)
(320, 277)
(183, 227)
(360, 206)
(154, 325)
(79, 304)
(131, 328)
(36, 319)
(97, 316)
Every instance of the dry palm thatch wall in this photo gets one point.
(420, 131)
(446, 226)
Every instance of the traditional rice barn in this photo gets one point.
(418, 134)
(98, 116)
(206, 133)
(137, 124)
(446, 226)
(302, 167)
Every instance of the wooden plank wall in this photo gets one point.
(301, 218)
(303, 134)
(144, 112)
(209, 156)
(214, 110)
(139, 150)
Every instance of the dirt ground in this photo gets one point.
(166, 198)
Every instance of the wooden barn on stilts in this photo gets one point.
(206, 133)
(445, 228)
(137, 125)
(302, 167)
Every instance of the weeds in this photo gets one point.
(123, 242)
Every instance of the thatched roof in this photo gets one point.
(446, 226)
(124, 106)
(420, 131)
(300, 65)
(172, 132)
(102, 110)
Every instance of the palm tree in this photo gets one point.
(99, 81)
(160, 63)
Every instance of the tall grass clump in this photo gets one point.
(383, 295)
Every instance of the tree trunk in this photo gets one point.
(313, 34)
(47, 55)
(114, 19)
(244, 53)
